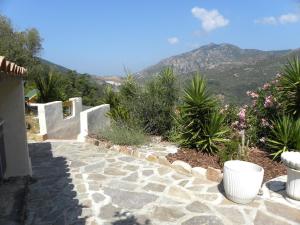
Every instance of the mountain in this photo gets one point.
(55, 66)
(230, 71)
(101, 80)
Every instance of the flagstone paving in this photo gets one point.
(79, 183)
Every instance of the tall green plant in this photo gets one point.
(200, 125)
(290, 87)
(47, 82)
(285, 136)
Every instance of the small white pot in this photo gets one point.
(293, 184)
(242, 180)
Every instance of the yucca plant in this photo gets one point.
(290, 87)
(48, 87)
(213, 133)
(285, 136)
(199, 124)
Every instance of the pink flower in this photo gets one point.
(265, 122)
(266, 86)
(252, 94)
(269, 101)
(242, 114)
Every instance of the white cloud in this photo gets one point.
(271, 20)
(210, 19)
(289, 18)
(282, 19)
(173, 40)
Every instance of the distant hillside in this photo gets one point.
(229, 70)
(55, 66)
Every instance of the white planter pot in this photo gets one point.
(242, 180)
(293, 184)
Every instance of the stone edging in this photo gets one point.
(210, 173)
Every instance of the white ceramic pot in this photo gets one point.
(293, 184)
(242, 180)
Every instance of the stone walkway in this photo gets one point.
(76, 183)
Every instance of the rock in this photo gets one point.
(198, 207)
(81, 188)
(114, 172)
(179, 192)
(234, 215)
(207, 220)
(214, 174)
(76, 164)
(128, 199)
(199, 172)
(208, 197)
(147, 173)
(131, 167)
(183, 183)
(108, 211)
(93, 167)
(154, 187)
(126, 159)
(118, 184)
(151, 158)
(163, 161)
(166, 214)
(132, 177)
(163, 170)
(97, 197)
(263, 219)
(96, 177)
(284, 211)
(182, 167)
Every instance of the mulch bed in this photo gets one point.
(191, 156)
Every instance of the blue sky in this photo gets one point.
(103, 37)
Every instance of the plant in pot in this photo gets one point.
(242, 180)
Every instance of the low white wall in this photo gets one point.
(53, 125)
(93, 120)
(12, 111)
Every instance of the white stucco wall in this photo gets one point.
(93, 120)
(12, 111)
(53, 125)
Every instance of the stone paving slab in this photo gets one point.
(79, 183)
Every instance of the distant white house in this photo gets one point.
(114, 83)
(14, 155)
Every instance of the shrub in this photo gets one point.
(200, 125)
(151, 107)
(121, 134)
(284, 136)
(228, 152)
(157, 103)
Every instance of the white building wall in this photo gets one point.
(12, 111)
(93, 120)
(53, 125)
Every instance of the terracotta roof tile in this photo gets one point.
(11, 68)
